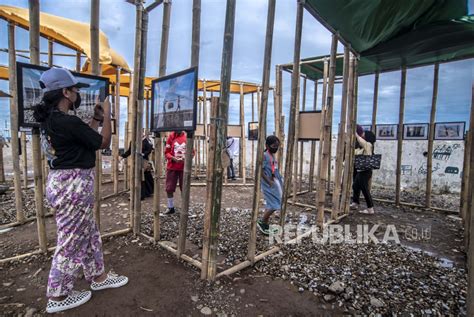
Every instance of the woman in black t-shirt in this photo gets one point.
(70, 146)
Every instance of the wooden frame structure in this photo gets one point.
(219, 119)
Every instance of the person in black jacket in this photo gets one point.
(147, 183)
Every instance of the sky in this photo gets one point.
(117, 20)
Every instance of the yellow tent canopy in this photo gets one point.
(211, 85)
(70, 33)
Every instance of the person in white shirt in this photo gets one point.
(233, 150)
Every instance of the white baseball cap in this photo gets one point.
(58, 78)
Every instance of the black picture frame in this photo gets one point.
(35, 93)
(460, 133)
(252, 131)
(414, 133)
(179, 119)
(392, 136)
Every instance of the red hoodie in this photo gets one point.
(175, 146)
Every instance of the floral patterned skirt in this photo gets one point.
(71, 193)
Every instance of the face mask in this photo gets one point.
(273, 150)
(77, 104)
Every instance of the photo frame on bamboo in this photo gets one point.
(174, 101)
(386, 131)
(253, 131)
(309, 125)
(30, 93)
(234, 130)
(416, 131)
(113, 125)
(449, 130)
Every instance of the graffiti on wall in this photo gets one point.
(423, 169)
(451, 170)
(407, 170)
(444, 152)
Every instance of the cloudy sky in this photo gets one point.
(118, 22)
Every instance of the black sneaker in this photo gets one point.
(263, 227)
(170, 211)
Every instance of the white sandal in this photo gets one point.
(113, 280)
(73, 300)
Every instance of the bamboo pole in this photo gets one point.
(429, 163)
(24, 159)
(262, 127)
(470, 288)
(209, 193)
(347, 176)
(297, 144)
(147, 112)
(2, 165)
(219, 140)
(78, 61)
(20, 216)
(188, 161)
(196, 144)
(278, 110)
(295, 76)
(313, 143)
(125, 165)
(204, 114)
(34, 16)
(243, 149)
(400, 136)
(140, 81)
(321, 131)
(94, 35)
(165, 28)
(353, 138)
(116, 136)
(375, 101)
(252, 157)
(340, 140)
(465, 179)
(325, 138)
(301, 158)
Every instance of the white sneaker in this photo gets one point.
(73, 300)
(112, 281)
(354, 206)
(368, 211)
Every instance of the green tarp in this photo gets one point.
(390, 34)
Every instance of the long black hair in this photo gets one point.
(49, 102)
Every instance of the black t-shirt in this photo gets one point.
(69, 142)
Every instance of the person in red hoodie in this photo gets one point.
(175, 152)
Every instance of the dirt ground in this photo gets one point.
(162, 285)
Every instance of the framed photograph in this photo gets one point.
(309, 125)
(415, 131)
(253, 131)
(174, 101)
(449, 130)
(30, 93)
(386, 131)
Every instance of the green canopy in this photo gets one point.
(390, 34)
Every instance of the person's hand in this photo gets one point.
(271, 183)
(175, 159)
(102, 109)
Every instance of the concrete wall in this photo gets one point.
(447, 168)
